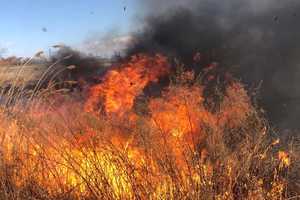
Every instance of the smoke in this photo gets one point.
(258, 6)
(72, 65)
(107, 45)
(259, 40)
(3, 51)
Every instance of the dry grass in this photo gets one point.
(51, 149)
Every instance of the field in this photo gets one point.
(149, 130)
(26, 74)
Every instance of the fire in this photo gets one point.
(284, 158)
(235, 106)
(121, 86)
(180, 116)
(99, 154)
(180, 112)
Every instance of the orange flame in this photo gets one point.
(284, 158)
(235, 106)
(179, 115)
(121, 86)
(180, 111)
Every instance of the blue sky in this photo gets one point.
(66, 21)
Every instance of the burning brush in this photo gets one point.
(200, 138)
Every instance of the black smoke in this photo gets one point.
(72, 66)
(258, 40)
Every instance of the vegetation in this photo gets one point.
(197, 139)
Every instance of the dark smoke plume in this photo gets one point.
(259, 40)
(72, 65)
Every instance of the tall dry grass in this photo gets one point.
(51, 149)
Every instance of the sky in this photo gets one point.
(68, 22)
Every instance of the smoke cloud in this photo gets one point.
(259, 40)
(3, 50)
(73, 65)
(107, 45)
